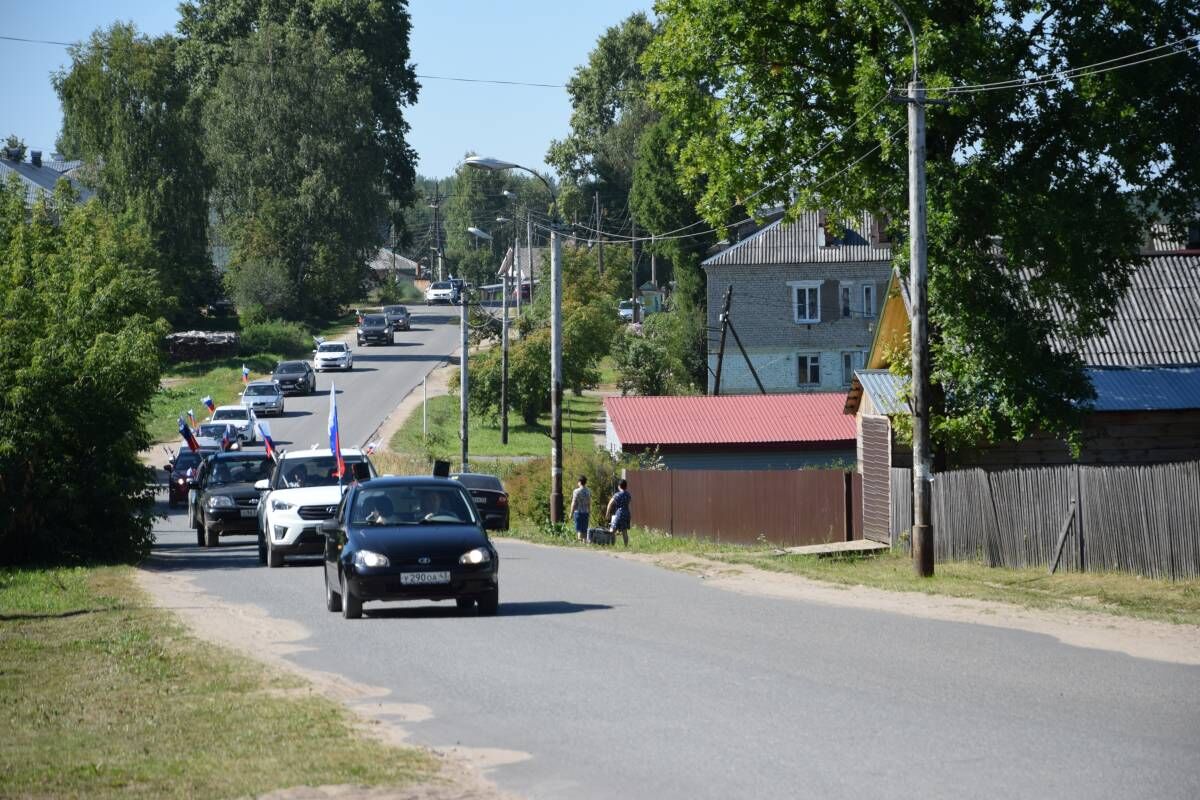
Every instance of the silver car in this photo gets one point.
(263, 397)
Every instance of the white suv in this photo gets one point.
(333, 355)
(302, 493)
(240, 418)
(440, 292)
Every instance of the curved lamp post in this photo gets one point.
(556, 386)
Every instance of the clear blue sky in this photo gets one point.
(540, 41)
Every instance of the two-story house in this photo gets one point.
(804, 303)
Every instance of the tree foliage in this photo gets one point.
(128, 112)
(1038, 195)
(80, 363)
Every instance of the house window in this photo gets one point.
(851, 361)
(806, 301)
(868, 300)
(845, 297)
(810, 370)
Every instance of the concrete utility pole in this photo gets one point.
(529, 252)
(653, 263)
(463, 378)
(437, 229)
(556, 381)
(721, 349)
(517, 264)
(504, 357)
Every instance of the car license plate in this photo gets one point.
(480, 501)
(249, 512)
(418, 578)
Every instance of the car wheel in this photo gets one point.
(333, 600)
(262, 549)
(489, 603)
(464, 604)
(211, 537)
(274, 559)
(351, 605)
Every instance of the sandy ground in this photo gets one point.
(250, 631)
(1159, 641)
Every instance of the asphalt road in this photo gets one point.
(618, 679)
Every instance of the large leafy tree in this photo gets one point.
(128, 112)
(1039, 191)
(80, 364)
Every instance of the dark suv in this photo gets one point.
(374, 329)
(181, 470)
(398, 317)
(295, 377)
(226, 501)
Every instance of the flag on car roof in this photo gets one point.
(192, 420)
(188, 438)
(335, 439)
(227, 438)
(208, 403)
(245, 374)
(265, 432)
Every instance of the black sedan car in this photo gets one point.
(181, 469)
(295, 377)
(409, 539)
(375, 329)
(399, 317)
(489, 496)
(226, 500)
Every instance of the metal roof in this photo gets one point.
(1142, 389)
(885, 390)
(755, 419)
(38, 180)
(803, 242)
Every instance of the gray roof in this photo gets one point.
(41, 180)
(803, 242)
(884, 389)
(383, 260)
(1142, 389)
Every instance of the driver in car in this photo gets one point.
(297, 477)
(378, 509)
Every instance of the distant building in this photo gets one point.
(39, 176)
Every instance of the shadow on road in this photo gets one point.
(177, 556)
(380, 358)
(536, 608)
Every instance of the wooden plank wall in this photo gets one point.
(876, 463)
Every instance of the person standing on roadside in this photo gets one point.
(618, 511)
(581, 507)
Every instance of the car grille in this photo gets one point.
(316, 512)
(247, 502)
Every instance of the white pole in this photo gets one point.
(463, 378)
(424, 410)
(556, 385)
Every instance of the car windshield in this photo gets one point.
(247, 469)
(212, 430)
(261, 389)
(374, 320)
(626, 305)
(318, 471)
(231, 414)
(412, 505)
(332, 347)
(291, 368)
(489, 482)
(396, 310)
(185, 460)
(440, 286)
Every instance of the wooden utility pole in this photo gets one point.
(633, 267)
(721, 348)
(463, 377)
(504, 356)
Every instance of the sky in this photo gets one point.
(538, 41)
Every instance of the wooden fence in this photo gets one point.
(1140, 519)
(784, 507)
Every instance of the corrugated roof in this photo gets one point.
(40, 180)
(884, 389)
(757, 419)
(803, 242)
(1142, 389)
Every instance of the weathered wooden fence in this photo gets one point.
(785, 507)
(1141, 519)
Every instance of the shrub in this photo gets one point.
(528, 484)
(275, 336)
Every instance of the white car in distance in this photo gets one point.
(240, 418)
(333, 355)
(440, 292)
(302, 493)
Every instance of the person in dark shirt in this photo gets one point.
(618, 511)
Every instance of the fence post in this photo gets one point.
(1079, 513)
(1062, 536)
(848, 503)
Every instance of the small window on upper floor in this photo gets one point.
(845, 298)
(868, 292)
(809, 368)
(806, 301)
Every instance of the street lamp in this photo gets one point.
(556, 386)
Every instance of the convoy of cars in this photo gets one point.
(379, 538)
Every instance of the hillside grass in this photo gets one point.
(104, 696)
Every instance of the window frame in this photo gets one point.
(846, 299)
(869, 310)
(806, 286)
(812, 359)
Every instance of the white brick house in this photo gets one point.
(805, 300)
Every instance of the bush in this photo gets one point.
(528, 484)
(275, 336)
(391, 292)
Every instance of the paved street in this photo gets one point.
(611, 678)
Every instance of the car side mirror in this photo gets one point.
(262, 485)
(330, 526)
(169, 467)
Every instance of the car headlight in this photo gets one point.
(479, 555)
(181, 481)
(360, 330)
(281, 505)
(367, 558)
(221, 501)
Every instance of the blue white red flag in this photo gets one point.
(335, 439)
(227, 438)
(208, 403)
(268, 442)
(192, 419)
(188, 437)
(245, 374)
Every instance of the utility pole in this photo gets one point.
(463, 378)
(633, 266)
(517, 264)
(556, 381)
(653, 262)
(721, 349)
(529, 252)
(599, 235)
(504, 357)
(437, 228)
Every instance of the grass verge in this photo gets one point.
(1114, 593)
(102, 695)
(580, 415)
(185, 383)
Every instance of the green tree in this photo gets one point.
(128, 112)
(78, 370)
(297, 164)
(17, 144)
(1038, 194)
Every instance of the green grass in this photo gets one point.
(103, 696)
(1114, 593)
(189, 381)
(580, 418)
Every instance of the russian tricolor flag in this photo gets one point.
(188, 437)
(335, 439)
(192, 419)
(208, 403)
(268, 442)
(226, 438)
(245, 374)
